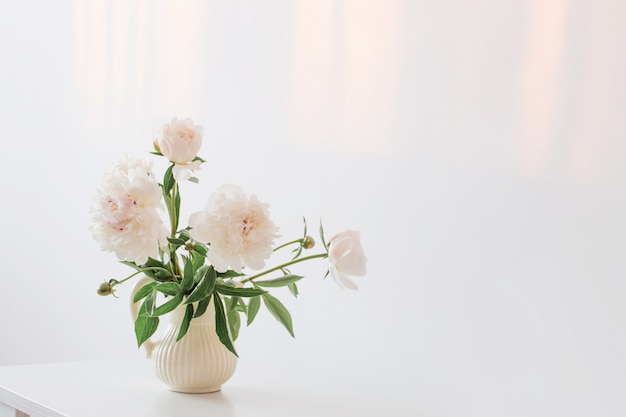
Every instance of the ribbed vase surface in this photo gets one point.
(198, 363)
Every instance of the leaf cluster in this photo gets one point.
(183, 278)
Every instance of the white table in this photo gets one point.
(129, 388)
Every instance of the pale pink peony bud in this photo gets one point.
(179, 140)
(347, 258)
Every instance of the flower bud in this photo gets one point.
(308, 242)
(347, 258)
(179, 140)
(105, 289)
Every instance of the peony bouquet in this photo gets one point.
(221, 253)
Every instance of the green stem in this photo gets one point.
(171, 208)
(286, 264)
(289, 243)
(127, 278)
(150, 268)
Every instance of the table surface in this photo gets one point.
(129, 388)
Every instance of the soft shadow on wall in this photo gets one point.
(343, 78)
(135, 58)
(568, 100)
(348, 69)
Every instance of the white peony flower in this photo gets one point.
(124, 211)
(347, 258)
(237, 227)
(179, 140)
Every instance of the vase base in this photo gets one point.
(195, 390)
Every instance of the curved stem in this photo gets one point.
(289, 243)
(127, 278)
(139, 271)
(286, 264)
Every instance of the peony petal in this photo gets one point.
(182, 172)
(124, 212)
(347, 254)
(199, 232)
(347, 282)
(218, 263)
(238, 228)
(180, 140)
(353, 263)
(341, 279)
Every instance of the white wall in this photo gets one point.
(478, 146)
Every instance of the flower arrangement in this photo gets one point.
(210, 257)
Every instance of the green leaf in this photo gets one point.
(241, 306)
(144, 291)
(234, 322)
(221, 325)
(157, 270)
(253, 309)
(187, 282)
(279, 282)
(230, 274)
(149, 302)
(322, 236)
(202, 306)
(176, 242)
(297, 252)
(145, 326)
(168, 180)
(279, 311)
(184, 326)
(293, 288)
(200, 249)
(197, 259)
(205, 284)
(168, 306)
(184, 235)
(238, 292)
(232, 304)
(199, 274)
(177, 208)
(168, 288)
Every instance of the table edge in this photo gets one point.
(26, 405)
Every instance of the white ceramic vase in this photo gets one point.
(199, 362)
